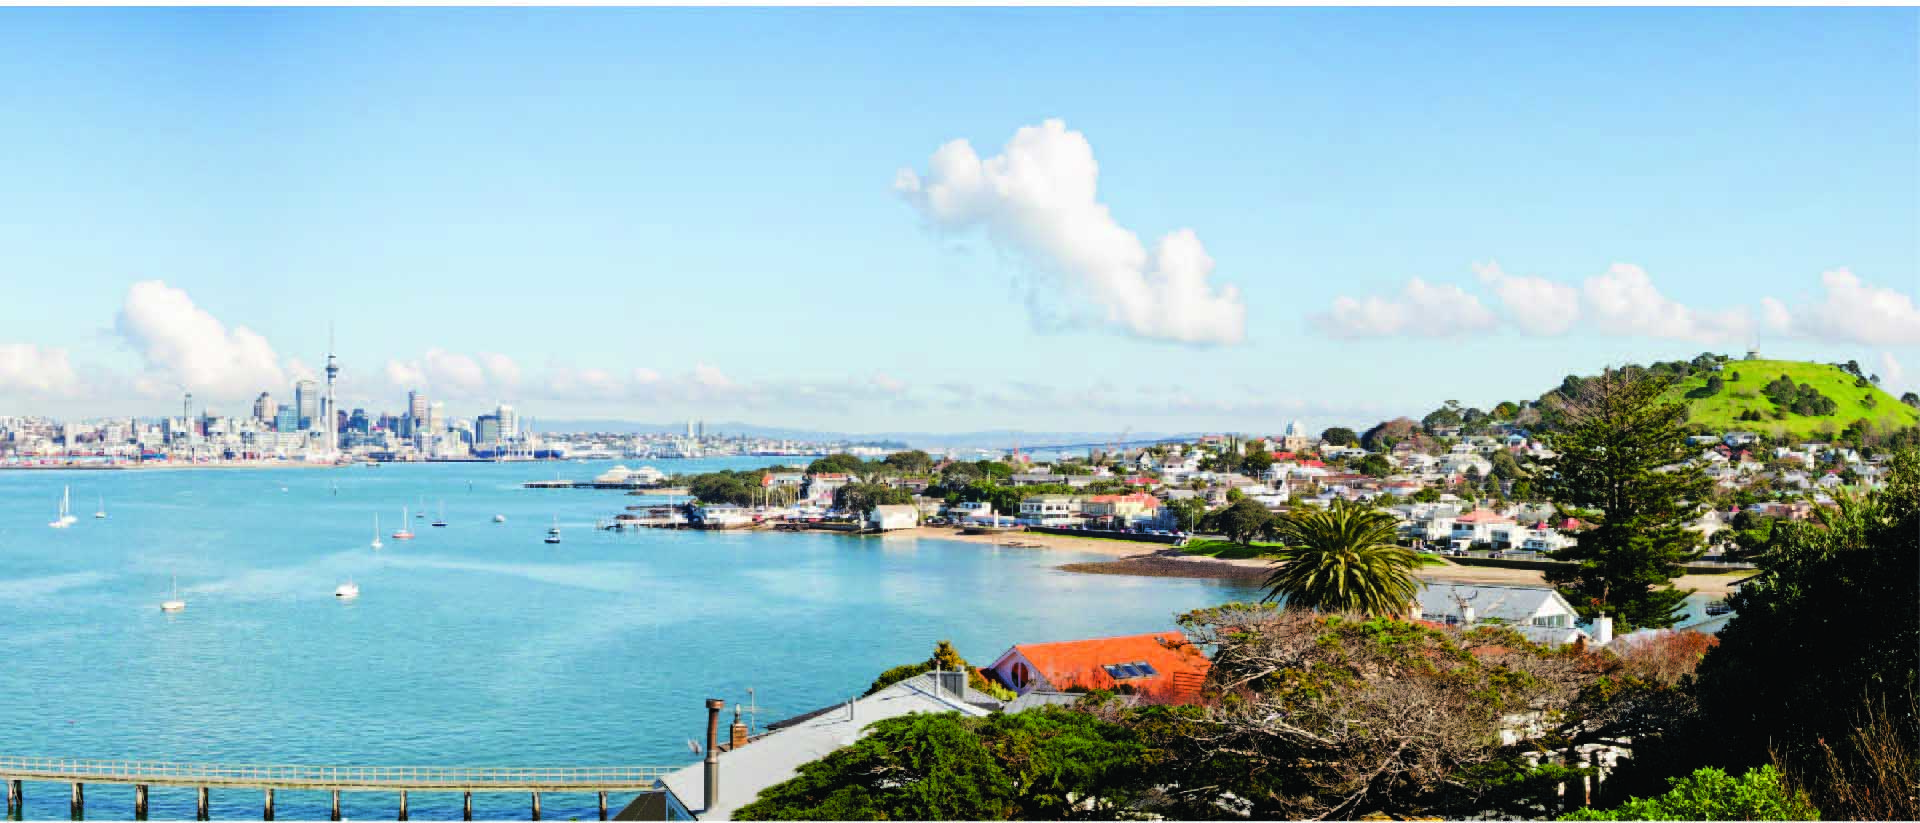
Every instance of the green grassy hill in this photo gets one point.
(1721, 412)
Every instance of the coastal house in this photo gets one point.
(1540, 614)
(893, 517)
(1161, 665)
(745, 763)
(1481, 526)
(1050, 510)
(1125, 508)
(819, 488)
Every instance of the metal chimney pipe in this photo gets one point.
(713, 752)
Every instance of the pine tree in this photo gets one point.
(1623, 465)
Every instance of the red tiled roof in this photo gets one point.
(1283, 455)
(1178, 665)
(1313, 464)
(1482, 516)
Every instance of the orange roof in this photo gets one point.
(1482, 516)
(1178, 665)
(1142, 498)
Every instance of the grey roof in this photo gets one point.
(777, 756)
(1514, 604)
(1037, 698)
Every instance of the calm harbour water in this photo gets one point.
(476, 644)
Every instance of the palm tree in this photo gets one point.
(1342, 558)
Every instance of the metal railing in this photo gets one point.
(372, 778)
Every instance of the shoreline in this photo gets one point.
(162, 466)
(1157, 560)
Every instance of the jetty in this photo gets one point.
(18, 771)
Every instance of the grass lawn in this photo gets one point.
(1719, 411)
(1229, 550)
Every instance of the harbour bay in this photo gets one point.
(474, 644)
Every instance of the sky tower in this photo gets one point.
(327, 408)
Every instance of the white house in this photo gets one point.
(889, 518)
(1049, 509)
(1541, 614)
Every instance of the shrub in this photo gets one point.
(1709, 794)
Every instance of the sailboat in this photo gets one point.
(499, 518)
(376, 530)
(441, 521)
(553, 534)
(347, 590)
(402, 533)
(66, 517)
(101, 513)
(173, 603)
(423, 508)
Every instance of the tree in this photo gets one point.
(1789, 682)
(1426, 494)
(1343, 558)
(862, 497)
(1911, 399)
(1710, 794)
(1623, 464)
(1241, 522)
(1441, 418)
(1383, 435)
(1043, 764)
(1188, 512)
(837, 464)
(1339, 436)
(945, 658)
(909, 462)
(1257, 462)
(1374, 465)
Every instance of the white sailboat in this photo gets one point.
(173, 603)
(441, 521)
(376, 530)
(553, 534)
(499, 518)
(101, 513)
(66, 517)
(347, 590)
(402, 533)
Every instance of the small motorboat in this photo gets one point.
(347, 590)
(553, 534)
(499, 518)
(101, 513)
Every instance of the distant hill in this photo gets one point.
(990, 439)
(1748, 394)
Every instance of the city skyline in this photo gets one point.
(657, 215)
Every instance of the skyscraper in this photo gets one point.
(264, 408)
(306, 402)
(509, 422)
(417, 407)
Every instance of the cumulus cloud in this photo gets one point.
(1535, 304)
(1851, 311)
(1038, 199)
(1624, 301)
(449, 374)
(501, 368)
(1892, 374)
(187, 348)
(1422, 310)
(29, 369)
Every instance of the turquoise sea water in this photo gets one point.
(476, 644)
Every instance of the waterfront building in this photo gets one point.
(486, 430)
(264, 408)
(1164, 665)
(306, 400)
(286, 419)
(509, 422)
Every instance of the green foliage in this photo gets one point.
(862, 497)
(1712, 387)
(1044, 764)
(1621, 464)
(1425, 494)
(1343, 558)
(1188, 512)
(1801, 399)
(1256, 462)
(1241, 522)
(1710, 794)
(945, 658)
(1375, 465)
(1230, 550)
(1826, 627)
(1339, 436)
(741, 488)
(909, 462)
(839, 464)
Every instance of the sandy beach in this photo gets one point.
(1153, 560)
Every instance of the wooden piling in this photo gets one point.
(266, 812)
(200, 804)
(336, 805)
(466, 806)
(15, 798)
(140, 801)
(403, 804)
(536, 805)
(603, 805)
(79, 805)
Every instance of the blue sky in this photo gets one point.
(656, 213)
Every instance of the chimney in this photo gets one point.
(1602, 630)
(713, 752)
(737, 733)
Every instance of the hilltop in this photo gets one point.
(1752, 397)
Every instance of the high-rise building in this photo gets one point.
(700, 430)
(436, 417)
(306, 402)
(359, 422)
(486, 430)
(509, 422)
(689, 427)
(287, 419)
(264, 408)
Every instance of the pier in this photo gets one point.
(204, 777)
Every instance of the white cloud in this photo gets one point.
(1422, 310)
(1535, 304)
(1892, 374)
(186, 348)
(1851, 312)
(501, 368)
(1624, 301)
(711, 377)
(29, 369)
(1039, 200)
